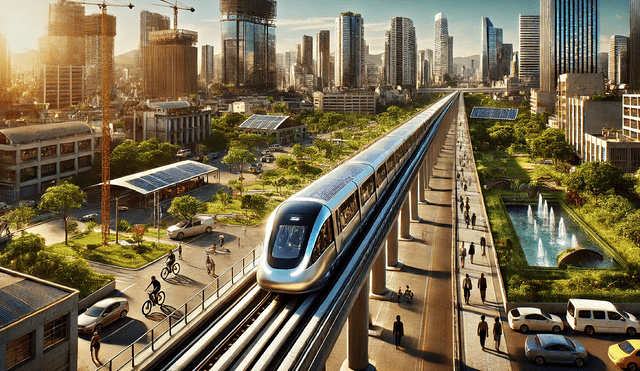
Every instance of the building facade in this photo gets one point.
(206, 64)
(618, 72)
(94, 50)
(307, 53)
(62, 86)
(400, 53)
(529, 53)
(350, 51)
(249, 43)
(491, 64)
(569, 39)
(323, 59)
(442, 49)
(149, 22)
(634, 45)
(588, 116)
(571, 85)
(364, 102)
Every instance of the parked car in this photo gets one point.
(626, 355)
(184, 152)
(276, 148)
(600, 316)
(266, 152)
(89, 218)
(122, 208)
(30, 203)
(185, 228)
(102, 313)
(212, 156)
(3, 206)
(268, 158)
(529, 318)
(255, 167)
(548, 348)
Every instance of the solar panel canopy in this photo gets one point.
(494, 113)
(265, 122)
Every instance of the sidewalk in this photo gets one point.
(473, 357)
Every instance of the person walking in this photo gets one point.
(466, 218)
(398, 331)
(211, 266)
(497, 333)
(221, 240)
(463, 253)
(95, 347)
(473, 221)
(467, 286)
(461, 205)
(180, 251)
(483, 331)
(472, 251)
(482, 285)
(483, 244)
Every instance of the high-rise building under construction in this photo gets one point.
(149, 22)
(93, 52)
(249, 43)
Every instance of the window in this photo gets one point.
(27, 174)
(48, 151)
(381, 175)
(288, 243)
(28, 154)
(55, 332)
(367, 189)
(614, 316)
(325, 239)
(19, 350)
(584, 314)
(47, 170)
(67, 148)
(84, 162)
(84, 145)
(598, 314)
(69, 165)
(347, 211)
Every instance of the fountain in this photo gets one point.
(552, 220)
(562, 232)
(539, 204)
(535, 227)
(530, 215)
(545, 213)
(574, 242)
(541, 254)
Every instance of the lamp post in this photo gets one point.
(117, 199)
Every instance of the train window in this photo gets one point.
(381, 175)
(289, 240)
(347, 211)
(367, 189)
(390, 163)
(325, 239)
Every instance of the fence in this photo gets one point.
(175, 322)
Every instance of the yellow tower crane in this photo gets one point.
(106, 115)
(175, 7)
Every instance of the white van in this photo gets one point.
(600, 316)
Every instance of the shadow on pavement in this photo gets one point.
(181, 280)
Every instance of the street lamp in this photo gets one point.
(117, 199)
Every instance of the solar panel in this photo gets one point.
(141, 184)
(325, 190)
(265, 122)
(494, 113)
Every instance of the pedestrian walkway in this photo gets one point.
(482, 262)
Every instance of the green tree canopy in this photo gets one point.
(22, 252)
(131, 157)
(238, 157)
(187, 207)
(20, 216)
(61, 200)
(596, 178)
(248, 141)
(551, 144)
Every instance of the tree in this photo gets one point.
(20, 216)
(224, 197)
(22, 252)
(551, 144)
(596, 178)
(138, 233)
(61, 200)
(249, 141)
(256, 203)
(187, 207)
(238, 157)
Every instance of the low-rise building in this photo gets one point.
(39, 156)
(612, 147)
(360, 102)
(39, 326)
(285, 129)
(586, 115)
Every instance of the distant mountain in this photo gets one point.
(127, 60)
(466, 61)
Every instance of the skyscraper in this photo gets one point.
(634, 45)
(5, 65)
(323, 58)
(93, 52)
(307, 53)
(491, 63)
(350, 50)
(506, 56)
(400, 59)
(442, 52)
(249, 43)
(148, 22)
(529, 55)
(569, 39)
(618, 71)
(206, 64)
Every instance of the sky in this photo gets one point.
(24, 21)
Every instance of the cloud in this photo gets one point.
(376, 27)
(307, 24)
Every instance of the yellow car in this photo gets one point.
(626, 355)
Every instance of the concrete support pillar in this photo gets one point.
(378, 278)
(429, 167)
(358, 333)
(413, 195)
(392, 248)
(405, 215)
(423, 187)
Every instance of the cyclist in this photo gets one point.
(153, 296)
(171, 258)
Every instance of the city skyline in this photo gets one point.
(296, 18)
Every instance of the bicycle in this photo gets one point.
(146, 307)
(175, 269)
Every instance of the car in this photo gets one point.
(550, 348)
(626, 355)
(122, 208)
(102, 313)
(268, 158)
(255, 167)
(30, 203)
(600, 316)
(212, 156)
(266, 152)
(529, 318)
(184, 152)
(3, 206)
(89, 218)
(186, 228)
(276, 148)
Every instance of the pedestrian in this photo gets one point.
(95, 347)
(399, 294)
(483, 331)
(461, 198)
(483, 244)
(467, 286)
(180, 251)
(211, 266)
(467, 207)
(497, 333)
(461, 206)
(458, 175)
(473, 221)
(472, 251)
(466, 218)
(463, 253)
(214, 248)
(221, 240)
(465, 187)
(482, 285)
(398, 331)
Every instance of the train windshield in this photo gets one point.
(289, 242)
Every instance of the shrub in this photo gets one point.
(124, 226)
(72, 226)
(90, 226)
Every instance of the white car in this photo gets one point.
(102, 313)
(185, 228)
(524, 319)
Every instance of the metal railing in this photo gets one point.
(155, 338)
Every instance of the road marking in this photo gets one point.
(128, 288)
(118, 330)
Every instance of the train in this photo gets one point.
(307, 233)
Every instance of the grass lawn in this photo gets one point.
(244, 217)
(89, 246)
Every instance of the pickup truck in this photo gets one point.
(185, 228)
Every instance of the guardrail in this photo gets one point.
(176, 321)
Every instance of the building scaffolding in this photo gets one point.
(256, 11)
(93, 51)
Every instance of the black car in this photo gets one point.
(268, 158)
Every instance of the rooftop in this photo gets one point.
(265, 122)
(34, 133)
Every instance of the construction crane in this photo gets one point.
(106, 115)
(175, 7)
